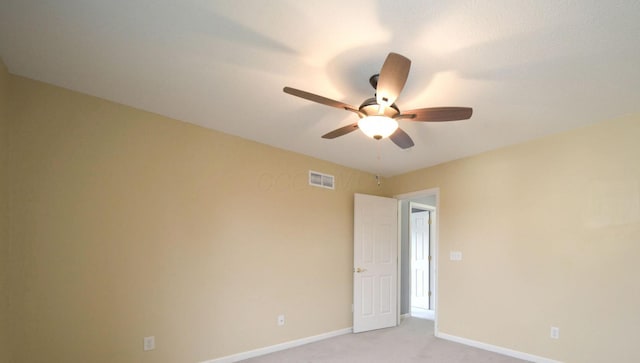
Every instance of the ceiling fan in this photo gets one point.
(379, 115)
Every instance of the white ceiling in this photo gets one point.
(528, 68)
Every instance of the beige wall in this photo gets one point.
(127, 224)
(4, 214)
(550, 235)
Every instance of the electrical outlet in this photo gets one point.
(555, 333)
(281, 320)
(149, 343)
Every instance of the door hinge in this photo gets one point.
(429, 258)
(429, 293)
(429, 221)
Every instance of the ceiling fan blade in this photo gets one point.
(341, 131)
(319, 99)
(393, 76)
(436, 114)
(402, 139)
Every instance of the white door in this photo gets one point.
(375, 263)
(420, 259)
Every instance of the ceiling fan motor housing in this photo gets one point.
(370, 107)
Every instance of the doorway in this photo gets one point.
(413, 283)
(420, 219)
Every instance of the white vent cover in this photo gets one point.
(321, 180)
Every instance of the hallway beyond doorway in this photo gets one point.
(422, 313)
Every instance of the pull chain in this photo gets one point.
(378, 181)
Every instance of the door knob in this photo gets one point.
(358, 270)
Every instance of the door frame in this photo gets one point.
(408, 197)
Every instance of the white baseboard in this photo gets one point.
(496, 349)
(278, 347)
(404, 316)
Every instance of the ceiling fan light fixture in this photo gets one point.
(378, 127)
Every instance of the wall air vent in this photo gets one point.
(321, 180)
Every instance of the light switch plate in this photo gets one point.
(455, 256)
(149, 343)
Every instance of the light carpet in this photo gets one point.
(412, 341)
